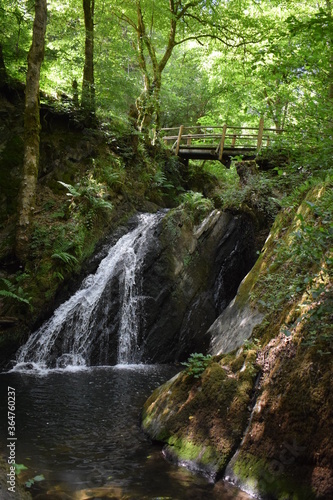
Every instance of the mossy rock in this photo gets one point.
(271, 479)
(201, 421)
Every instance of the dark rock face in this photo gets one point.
(190, 276)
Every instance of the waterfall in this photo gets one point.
(105, 311)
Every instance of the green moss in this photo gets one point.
(189, 451)
(270, 478)
(202, 420)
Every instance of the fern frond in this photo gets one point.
(11, 295)
(65, 257)
(8, 283)
(71, 189)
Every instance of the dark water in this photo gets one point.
(81, 431)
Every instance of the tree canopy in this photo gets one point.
(184, 61)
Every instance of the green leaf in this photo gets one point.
(39, 478)
(19, 468)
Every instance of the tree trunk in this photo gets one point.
(330, 84)
(148, 105)
(88, 84)
(31, 131)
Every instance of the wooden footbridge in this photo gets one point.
(220, 143)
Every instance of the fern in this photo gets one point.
(71, 189)
(99, 203)
(10, 295)
(161, 180)
(58, 275)
(9, 284)
(88, 194)
(14, 293)
(195, 200)
(66, 258)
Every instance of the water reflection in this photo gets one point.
(82, 432)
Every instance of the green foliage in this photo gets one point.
(258, 194)
(301, 271)
(30, 482)
(197, 364)
(313, 235)
(57, 238)
(87, 199)
(251, 344)
(66, 258)
(14, 291)
(197, 204)
(34, 480)
(89, 194)
(19, 468)
(40, 239)
(160, 180)
(111, 171)
(280, 56)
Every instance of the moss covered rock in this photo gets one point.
(202, 420)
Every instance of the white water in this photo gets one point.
(68, 338)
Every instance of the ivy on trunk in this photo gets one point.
(31, 131)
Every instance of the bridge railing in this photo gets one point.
(220, 138)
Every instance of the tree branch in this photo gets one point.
(128, 20)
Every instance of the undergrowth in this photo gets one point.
(300, 273)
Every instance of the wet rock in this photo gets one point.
(233, 326)
(190, 276)
(202, 420)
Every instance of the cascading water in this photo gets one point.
(81, 328)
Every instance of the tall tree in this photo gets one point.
(151, 57)
(162, 25)
(88, 84)
(31, 130)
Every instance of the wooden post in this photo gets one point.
(181, 128)
(224, 131)
(260, 133)
(233, 140)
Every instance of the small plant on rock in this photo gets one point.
(197, 205)
(197, 364)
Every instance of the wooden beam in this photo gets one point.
(224, 131)
(181, 128)
(260, 133)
